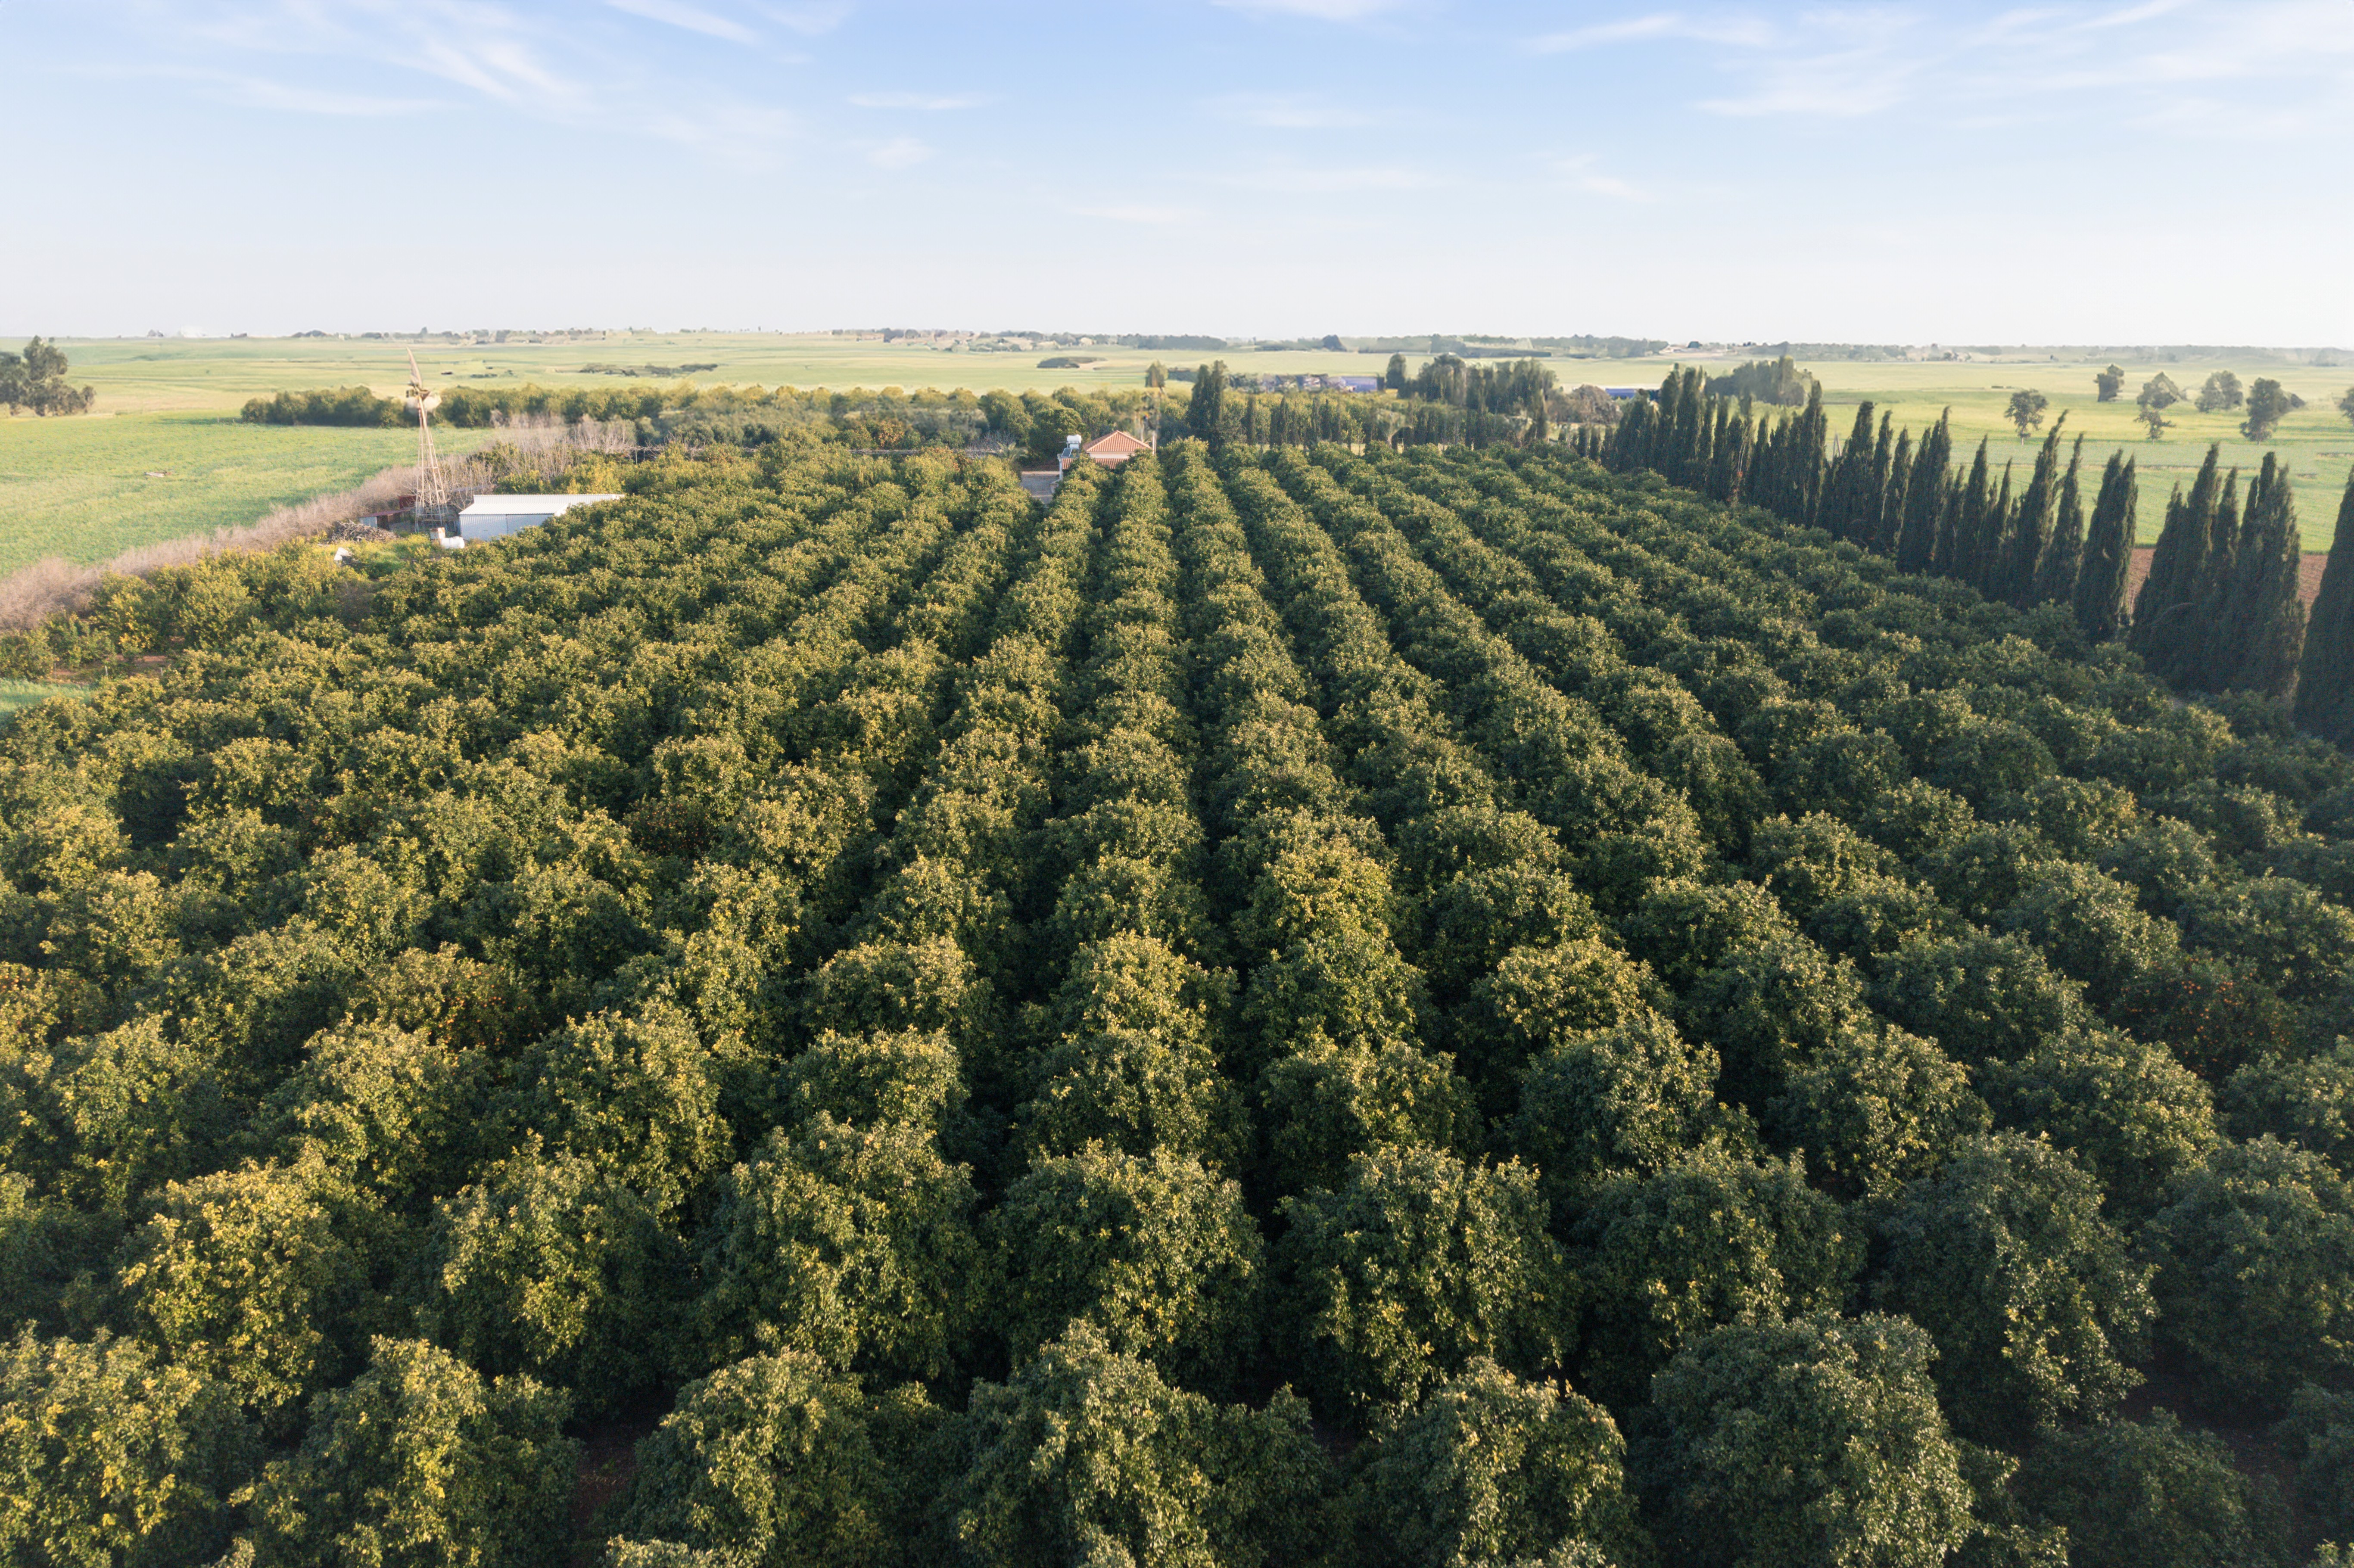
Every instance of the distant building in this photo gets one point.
(497, 516)
(1355, 383)
(1115, 449)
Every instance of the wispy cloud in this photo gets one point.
(926, 102)
(693, 19)
(296, 99)
(1322, 10)
(1287, 111)
(1743, 31)
(1577, 172)
(1292, 179)
(812, 20)
(1136, 212)
(899, 152)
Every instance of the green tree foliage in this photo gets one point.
(1086, 1456)
(2325, 683)
(2317, 1436)
(245, 1277)
(421, 1461)
(1155, 1251)
(2025, 410)
(1493, 1470)
(2221, 391)
(1714, 1239)
(2268, 404)
(2255, 1272)
(823, 921)
(36, 379)
(2110, 383)
(2035, 1304)
(2256, 636)
(108, 1457)
(1776, 381)
(2136, 1492)
(2099, 600)
(552, 1266)
(1810, 1442)
(1633, 1100)
(2128, 1111)
(853, 1243)
(2165, 627)
(779, 1461)
(1415, 1266)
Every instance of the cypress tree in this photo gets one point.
(1924, 499)
(2260, 636)
(1969, 519)
(1205, 414)
(2055, 575)
(2209, 655)
(2100, 598)
(1850, 477)
(1893, 492)
(1806, 460)
(1999, 527)
(2324, 680)
(1874, 501)
(2032, 527)
(2162, 611)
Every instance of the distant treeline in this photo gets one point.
(2219, 611)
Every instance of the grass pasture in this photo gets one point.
(17, 696)
(166, 456)
(88, 489)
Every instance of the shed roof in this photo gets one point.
(528, 505)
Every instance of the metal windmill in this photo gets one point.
(432, 490)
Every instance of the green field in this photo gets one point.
(20, 694)
(82, 488)
(87, 489)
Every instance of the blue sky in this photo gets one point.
(2112, 171)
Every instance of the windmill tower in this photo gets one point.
(432, 488)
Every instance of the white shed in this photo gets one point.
(497, 516)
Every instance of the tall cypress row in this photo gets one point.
(2263, 618)
(2209, 658)
(1894, 489)
(1969, 519)
(2325, 679)
(2108, 554)
(1924, 499)
(2162, 616)
(2055, 575)
(2031, 527)
(1994, 540)
(1850, 477)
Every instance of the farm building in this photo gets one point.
(497, 516)
(1115, 449)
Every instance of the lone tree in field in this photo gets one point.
(2325, 680)
(2110, 383)
(2026, 410)
(2221, 392)
(2346, 404)
(2268, 404)
(36, 379)
(2159, 392)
